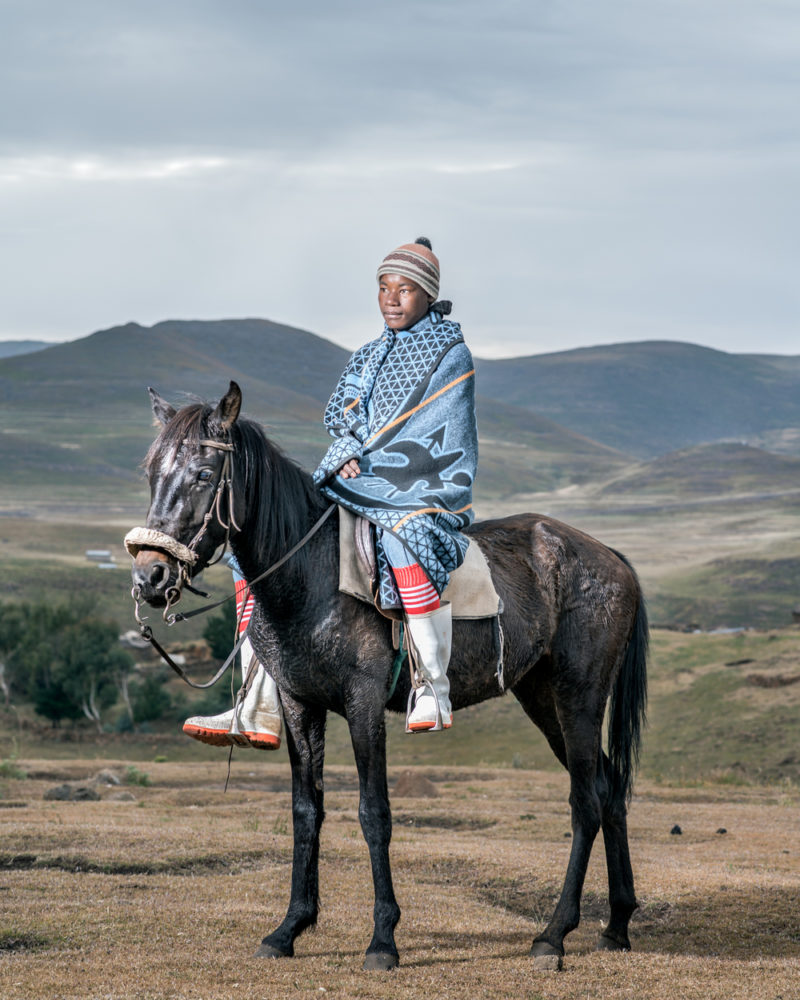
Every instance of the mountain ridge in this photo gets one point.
(652, 397)
(88, 397)
(546, 421)
(12, 348)
(642, 398)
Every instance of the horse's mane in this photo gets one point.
(280, 494)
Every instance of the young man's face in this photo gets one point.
(401, 301)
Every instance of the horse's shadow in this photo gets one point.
(728, 923)
(437, 948)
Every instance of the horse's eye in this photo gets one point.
(204, 476)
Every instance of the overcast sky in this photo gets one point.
(589, 171)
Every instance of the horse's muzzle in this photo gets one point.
(153, 574)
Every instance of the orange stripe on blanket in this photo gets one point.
(419, 406)
(429, 510)
(351, 405)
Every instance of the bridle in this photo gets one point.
(186, 557)
(225, 485)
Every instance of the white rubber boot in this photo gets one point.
(431, 636)
(258, 720)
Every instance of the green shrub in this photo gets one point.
(10, 769)
(220, 631)
(150, 699)
(133, 776)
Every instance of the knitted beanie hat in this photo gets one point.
(416, 261)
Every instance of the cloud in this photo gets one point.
(588, 170)
(30, 170)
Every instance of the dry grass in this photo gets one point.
(167, 896)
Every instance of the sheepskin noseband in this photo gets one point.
(148, 538)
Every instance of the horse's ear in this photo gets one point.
(162, 410)
(224, 416)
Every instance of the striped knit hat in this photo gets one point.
(416, 261)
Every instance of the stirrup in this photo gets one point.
(236, 736)
(412, 700)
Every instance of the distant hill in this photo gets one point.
(90, 396)
(651, 398)
(75, 423)
(79, 411)
(709, 470)
(523, 452)
(179, 356)
(10, 348)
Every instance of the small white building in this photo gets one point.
(99, 555)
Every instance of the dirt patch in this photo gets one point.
(184, 866)
(733, 924)
(773, 680)
(163, 899)
(412, 784)
(442, 822)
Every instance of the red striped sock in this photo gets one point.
(243, 596)
(416, 591)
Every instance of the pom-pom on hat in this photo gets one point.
(416, 261)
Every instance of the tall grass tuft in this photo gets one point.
(133, 776)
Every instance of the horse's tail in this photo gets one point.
(626, 717)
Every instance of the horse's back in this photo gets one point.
(549, 555)
(558, 586)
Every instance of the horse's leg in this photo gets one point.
(305, 739)
(574, 735)
(536, 697)
(621, 895)
(581, 740)
(368, 734)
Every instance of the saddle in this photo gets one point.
(470, 591)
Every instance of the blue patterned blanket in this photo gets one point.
(405, 409)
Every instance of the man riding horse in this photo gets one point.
(404, 457)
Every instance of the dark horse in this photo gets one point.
(575, 639)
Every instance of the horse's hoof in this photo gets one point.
(606, 943)
(270, 951)
(380, 961)
(546, 958)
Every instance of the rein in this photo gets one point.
(186, 556)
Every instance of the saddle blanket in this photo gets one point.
(470, 590)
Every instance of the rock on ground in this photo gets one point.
(412, 785)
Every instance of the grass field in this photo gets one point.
(725, 562)
(724, 709)
(167, 894)
(720, 560)
(164, 891)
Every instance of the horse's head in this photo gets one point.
(191, 496)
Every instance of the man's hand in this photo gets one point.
(350, 469)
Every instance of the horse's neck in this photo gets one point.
(267, 536)
(295, 587)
